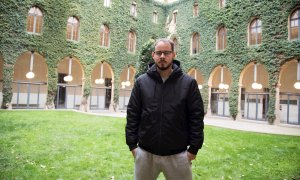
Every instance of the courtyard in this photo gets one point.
(60, 144)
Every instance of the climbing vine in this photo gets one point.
(235, 17)
(52, 43)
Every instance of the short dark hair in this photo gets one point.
(165, 40)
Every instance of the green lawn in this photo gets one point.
(70, 145)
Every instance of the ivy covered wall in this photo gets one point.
(236, 16)
(52, 43)
(274, 50)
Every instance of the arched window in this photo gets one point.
(222, 3)
(255, 32)
(195, 43)
(133, 10)
(73, 29)
(155, 17)
(175, 44)
(195, 10)
(104, 36)
(34, 20)
(222, 39)
(295, 25)
(131, 42)
(174, 18)
(107, 3)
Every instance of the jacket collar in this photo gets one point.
(152, 70)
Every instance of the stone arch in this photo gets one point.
(102, 91)
(247, 76)
(126, 84)
(196, 74)
(253, 100)
(288, 97)
(30, 78)
(69, 93)
(218, 95)
(215, 77)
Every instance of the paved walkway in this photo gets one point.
(244, 125)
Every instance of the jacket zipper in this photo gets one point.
(161, 116)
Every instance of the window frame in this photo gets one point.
(75, 27)
(155, 17)
(195, 44)
(174, 16)
(133, 9)
(221, 40)
(257, 34)
(296, 20)
(195, 10)
(104, 40)
(176, 44)
(37, 18)
(131, 44)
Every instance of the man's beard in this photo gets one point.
(163, 68)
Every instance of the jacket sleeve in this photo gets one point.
(134, 109)
(195, 118)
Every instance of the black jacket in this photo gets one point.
(165, 118)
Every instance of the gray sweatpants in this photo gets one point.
(174, 167)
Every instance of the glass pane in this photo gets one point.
(225, 42)
(258, 29)
(39, 22)
(101, 28)
(253, 24)
(69, 29)
(258, 22)
(31, 11)
(106, 39)
(295, 15)
(294, 33)
(101, 39)
(75, 32)
(38, 12)
(259, 38)
(70, 20)
(252, 39)
(30, 20)
(294, 23)
(75, 21)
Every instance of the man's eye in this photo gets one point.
(166, 53)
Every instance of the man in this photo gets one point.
(164, 129)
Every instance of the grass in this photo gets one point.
(71, 145)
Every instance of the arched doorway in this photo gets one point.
(219, 84)
(29, 84)
(101, 90)
(126, 85)
(254, 92)
(69, 84)
(289, 103)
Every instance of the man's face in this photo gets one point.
(163, 55)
